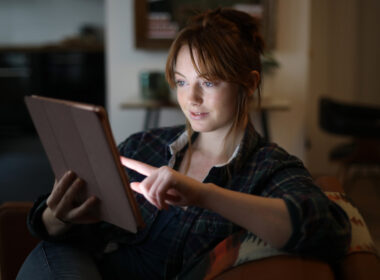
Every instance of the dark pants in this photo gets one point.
(146, 260)
(60, 261)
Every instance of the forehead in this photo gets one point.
(186, 59)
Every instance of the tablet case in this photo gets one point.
(78, 137)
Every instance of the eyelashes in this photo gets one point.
(180, 83)
(207, 84)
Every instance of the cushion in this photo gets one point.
(361, 240)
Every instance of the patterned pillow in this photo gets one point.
(361, 240)
(243, 247)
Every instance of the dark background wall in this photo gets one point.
(60, 72)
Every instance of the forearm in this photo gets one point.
(268, 218)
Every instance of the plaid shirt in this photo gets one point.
(320, 227)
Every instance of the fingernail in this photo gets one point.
(72, 173)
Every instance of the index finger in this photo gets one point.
(140, 167)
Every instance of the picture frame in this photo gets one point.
(158, 21)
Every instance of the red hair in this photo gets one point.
(228, 46)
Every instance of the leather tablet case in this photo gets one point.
(78, 137)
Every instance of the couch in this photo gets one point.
(362, 262)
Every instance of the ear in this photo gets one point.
(255, 80)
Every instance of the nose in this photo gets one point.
(195, 95)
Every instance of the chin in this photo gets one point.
(202, 128)
(198, 128)
(209, 127)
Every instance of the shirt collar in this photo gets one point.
(176, 146)
(247, 145)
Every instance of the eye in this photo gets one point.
(180, 83)
(208, 84)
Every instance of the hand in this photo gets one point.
(164, 186)
(68, 204)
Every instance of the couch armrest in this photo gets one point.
(357, 266)
(329, 184)
(15, 239)
(280, 267)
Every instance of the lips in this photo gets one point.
(198, 115)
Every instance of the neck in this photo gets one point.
(218, 144)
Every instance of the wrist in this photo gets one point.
(206, 195)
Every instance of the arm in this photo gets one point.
(268, 218)
(293, 212)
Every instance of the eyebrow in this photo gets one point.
(178, 73)
(202, 76)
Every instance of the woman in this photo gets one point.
(196, 185)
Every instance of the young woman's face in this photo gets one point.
(208, 105)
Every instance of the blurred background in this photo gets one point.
(95, 51)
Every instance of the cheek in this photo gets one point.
(180, 98)
(226, 103)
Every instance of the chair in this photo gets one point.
(15, 240)
(362, 124)
(16, 243)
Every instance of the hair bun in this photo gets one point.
(248, 26)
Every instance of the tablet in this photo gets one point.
(78, 137)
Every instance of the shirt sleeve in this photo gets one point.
(34, 220)
(320, 227)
